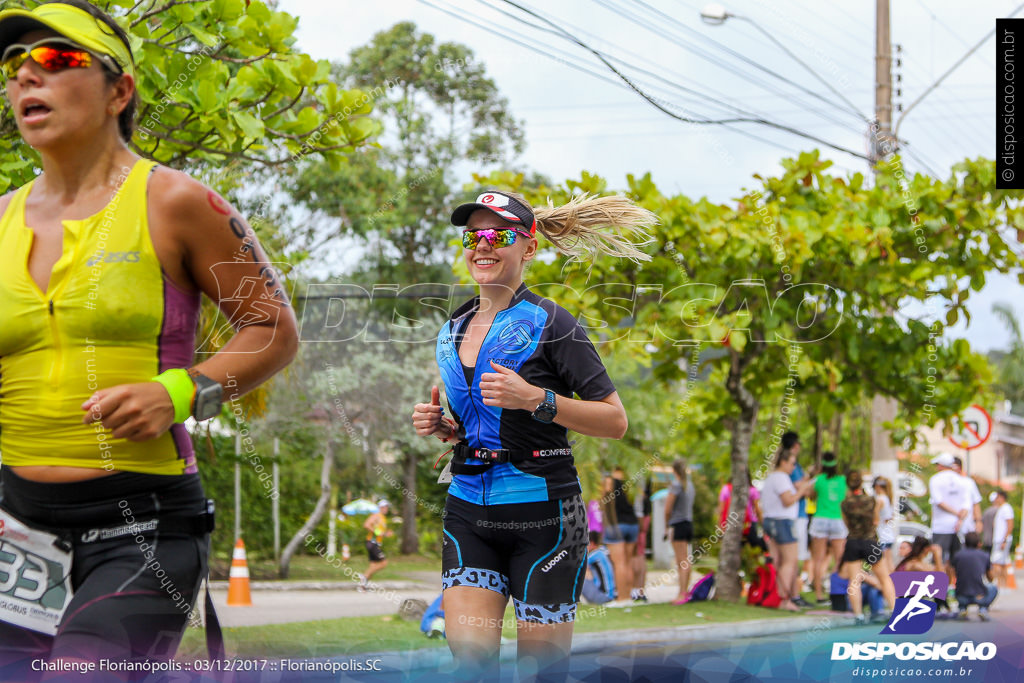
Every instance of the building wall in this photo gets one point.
(1003, 450)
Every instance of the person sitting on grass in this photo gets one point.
(972, 567)
(923, 556)
(599, 585)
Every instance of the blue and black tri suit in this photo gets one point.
(519, 526)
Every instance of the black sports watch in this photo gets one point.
(206, 403)
(546, 411)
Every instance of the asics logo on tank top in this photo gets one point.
(113, 257)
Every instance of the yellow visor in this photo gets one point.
(74, 24)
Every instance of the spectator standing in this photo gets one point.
(886, 531)
(753, 518)
(947, 492)
(642, 509)
(620, 527)
(679, 524)
(779, 498)
(791, 444)
(1002, 537)
(972, 500)
(827, 530)
(988, 519)
(860, 510)
(972, 568)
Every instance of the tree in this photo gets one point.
(219, 81)
(796, 282)
(360, 395)
(1011, 364)
(440, 109)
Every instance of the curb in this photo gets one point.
(324, 585)
(586, 643)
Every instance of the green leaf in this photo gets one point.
(207, 96)
(251, 126)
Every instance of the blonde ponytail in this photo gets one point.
(588, 226)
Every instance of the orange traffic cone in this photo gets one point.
(1011, 581)
(1020, 556)
(238, 578)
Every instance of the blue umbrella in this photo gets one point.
(360, 506)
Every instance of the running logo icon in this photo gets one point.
(915, 605)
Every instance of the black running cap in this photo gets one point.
(501, 205)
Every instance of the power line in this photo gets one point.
(701, 95)
(569, 63)
(713, 61)
(729, 106)
(953, 33)
(657, 105)
(853, 108)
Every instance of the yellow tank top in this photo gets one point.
(377, 532)
(107, 317)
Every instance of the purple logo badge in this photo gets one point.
(915, 602)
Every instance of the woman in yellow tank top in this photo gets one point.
(103, 258)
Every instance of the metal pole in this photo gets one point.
(883, 69)
(883, 409)
(238, 487)
(276, 503)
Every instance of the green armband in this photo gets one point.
(181, 389)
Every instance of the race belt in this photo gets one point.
(495, 456)
(35, 563)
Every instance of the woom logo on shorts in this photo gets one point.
(554, 561)
(915, 614)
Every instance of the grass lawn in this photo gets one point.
(316, 568)
(375, 634)
(314, 638)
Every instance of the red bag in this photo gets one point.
(763, 589)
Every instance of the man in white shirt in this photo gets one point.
(972, 501)
(947, 493)
(1002, 537)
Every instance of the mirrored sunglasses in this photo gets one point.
(496, 237)
(52, 54)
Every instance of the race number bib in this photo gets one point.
(35, 576)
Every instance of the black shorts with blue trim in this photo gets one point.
(535, 552)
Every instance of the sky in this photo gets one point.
(578, 115)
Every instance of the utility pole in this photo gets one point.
(883, 84)
(882, 143)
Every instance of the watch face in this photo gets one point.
(545, 413)
(208, 398)
(207, 404)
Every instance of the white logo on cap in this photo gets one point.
(492, 199)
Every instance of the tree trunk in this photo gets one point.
(837, 434)
(728, 584)
(410, 538)
(819, 433)
(315, 517)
